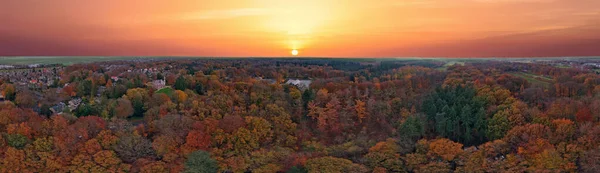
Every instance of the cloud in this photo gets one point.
(543, 43)
(520, 1)
(438, 3)
(226, 14)
(414, 2)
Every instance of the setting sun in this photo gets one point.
(294, 52)
(328, 28)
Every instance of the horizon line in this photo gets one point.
(300, 57)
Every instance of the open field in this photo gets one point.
(535, 79)
(451, 63)
(167, 90)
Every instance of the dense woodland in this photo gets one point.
(356, 117)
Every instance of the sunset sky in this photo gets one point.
(332, 28)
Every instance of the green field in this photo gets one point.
(536, 80)
(450, 63)
(167, 90)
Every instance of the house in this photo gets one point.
(301, 84)
(158, 84)
(114, 78)
(74, 103)
(597, 65)
(33, 65)
(6, 66)
(58, 108)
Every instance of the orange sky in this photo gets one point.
(338, 28)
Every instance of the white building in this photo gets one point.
(301, 84)
(158, 84)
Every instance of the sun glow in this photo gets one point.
(295, 52)
(298, 23)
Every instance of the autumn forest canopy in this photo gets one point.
(302, 116)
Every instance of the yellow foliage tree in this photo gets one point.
(333, 165)
(361, 111)
(444, 148)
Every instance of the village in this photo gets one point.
(49, 88)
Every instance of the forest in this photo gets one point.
(300, 116)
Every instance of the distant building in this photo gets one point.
(158, 84)
(114, 78)
(592, 64)
(33, 65)
(74, 103)
(58, 108)
(301, 84)
(6, 66)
